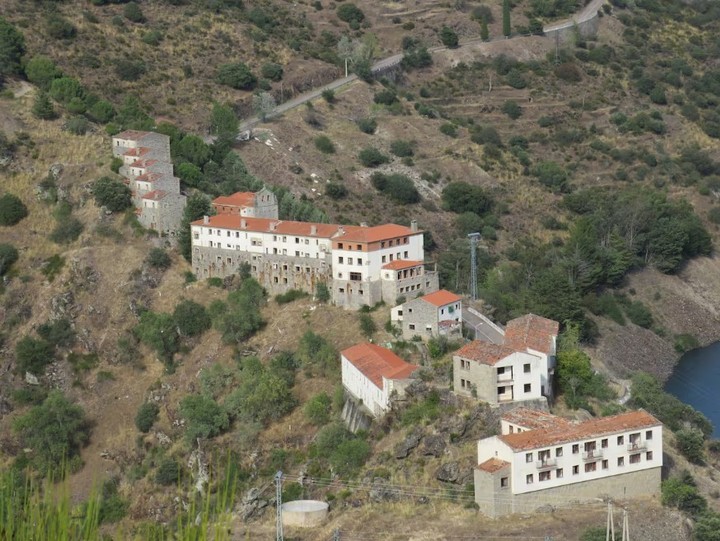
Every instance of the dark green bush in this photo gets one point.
(33, 355)
(12, 209)
(272, 71)
(399, 187)
(204, 417)
(372, 157)
(58, 333)
(146, 416)
(551, 174)
(133, 12)
(449, 129)
(350, 13)
(367, 125)
(112, 194)
(462, 197)
(690, 442)
(191, 318)
(386, 96)
(324, 144)
(60, 28)
(129, 69)
(449, 37)
(318, 409)
(158, 258)
(335, 191)
(41, 71)
(236, 75)
(8, 256)
(402, 148)
(168, 472)
(512, 109)
(290, 296)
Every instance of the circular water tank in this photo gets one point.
(304, 513)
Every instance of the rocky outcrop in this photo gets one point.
(402, 449)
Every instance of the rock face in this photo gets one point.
(252, 505)
(380, 492)
(448, 472)
(402, 450)
(433, 445)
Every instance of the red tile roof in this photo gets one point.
(484, 352)
(155, 195)
(534, 419)
(593, 428)
(238, 199)
(491, 465)
(400, 264)
(263, 225)
(139, 151)
(143, 163)
(355, 233)
(441, 297)
(531, 331)
(376, 363)
(149, 177)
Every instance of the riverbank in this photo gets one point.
(685, 303)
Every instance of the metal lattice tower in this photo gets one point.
(278, 506)
(474, 239)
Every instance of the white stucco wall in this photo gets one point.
(376, 400)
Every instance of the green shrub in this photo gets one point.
(158, 258)
(386, 96)
(335, 191)
(146, 416)
(58, 333)
(133, 13)
(42, 107)
(77, 125)
(551, 174)
(60, 28)
(449, 37)
(236, 75)
(52, 266)
(462, 197)
(483, 135)
(367, 325)
(159, 332)
(204, 417)
(55, 431)
(318, 408)
(402, 148)
(685, 342)
(12, 47)
(272, 71)
(682, 492)
(41, 71)
(512, 109)
(367, 125)
(112, 506)
(329, 95)
(639, 314)
(290, 296)
(12, 209)
(130, 69)
(322, 292)
(324, 144)
(33, 355)
(191, 318)
(516, 79)
(112, 194)
(400, 188)
(690, 442)
(316, 354)
(168, 472)
(8, 256)
(372, 157)
(67, 230)
(153, 37)
(350, 13)
(568, 72)
(449, 129)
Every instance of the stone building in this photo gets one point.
(148, 171)
(540, 459)
(286, 255)
(432, 315)
(262, 204)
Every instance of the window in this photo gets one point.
(576, 448)
(411, 327)
(284, 239)
(359, 247)
(590, 467)
(604, 443)
(465, 365)
(621, 440)
(384, 259)
(544, 476)
(359, 261)
(635, 459)
(621, 461)
(405, 255)
(340, 245)
(559, 451)
(297, 240)
(526, 368)
(648, 434)
(528, 457)
(648, 455)
(341, 259)
(559, 473)
(529, 479)
(503, 482)
(341, 289)
(349, 260)
(297, 253)
(356, 276)
(528, 387)
(576, 470)
(604, 464)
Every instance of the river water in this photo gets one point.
(696, 381)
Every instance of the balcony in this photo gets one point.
(546, 464)
(595, 454)
(505, 378)
(637, 446)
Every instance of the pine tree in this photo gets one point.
(484, 31)
(43, 107)
(506, 18)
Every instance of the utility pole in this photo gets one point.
(474, 238)
(626, 526)
(610, 528)
(336, 534)
(278, 507)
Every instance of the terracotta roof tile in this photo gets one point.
(593, 428)
(484, 352)
(534, 419)
(492, 465)
(400, 264)
(531, 331)
(355, 233)
(441, 297)
(376, 363)
(155, 195)
(238, 199)
(264, 225)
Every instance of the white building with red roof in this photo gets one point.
(286, 255)
(435, 314)
(540, 459)
(519, 369)
(374, 375)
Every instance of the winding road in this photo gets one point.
(587, 13)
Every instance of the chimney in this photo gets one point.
(413, 226)
(313, 229)
(341, 230)
(243, 223)
(273, 226)
(363, 224)
(206, 220)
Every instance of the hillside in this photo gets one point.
(592, 172)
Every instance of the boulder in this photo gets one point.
(402, 449)
(380, 492)
(55, 171)
(31, 379)
(448, 472)
(434, 445)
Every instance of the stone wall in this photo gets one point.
(585, 25)
(423, 314)
(496, 501)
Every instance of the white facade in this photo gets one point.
(354, 257)
(520, 376)
(375, 399)
(573, 454)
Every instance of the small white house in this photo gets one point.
(372, 374)
(542, 459)
(432, 315)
